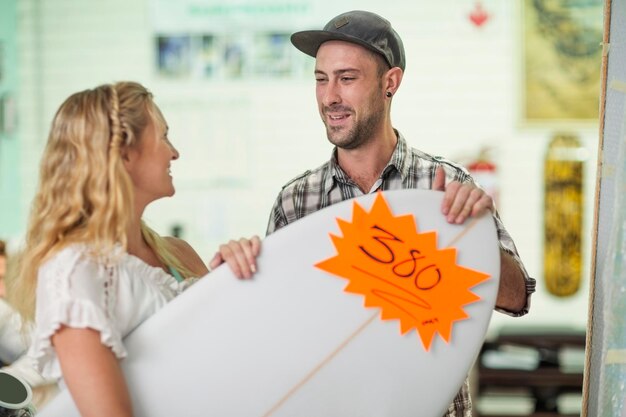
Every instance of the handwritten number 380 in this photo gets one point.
(403, 268)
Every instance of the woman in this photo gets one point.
(92, 270)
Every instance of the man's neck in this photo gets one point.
(365, 164)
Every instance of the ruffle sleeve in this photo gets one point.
(74, 290)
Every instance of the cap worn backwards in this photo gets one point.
(363, 28)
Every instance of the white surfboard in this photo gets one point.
(291, 342)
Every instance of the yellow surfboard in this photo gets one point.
(563, 211)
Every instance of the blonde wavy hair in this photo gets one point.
(85, 194)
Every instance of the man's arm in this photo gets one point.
(277, 218)
(512, 290)
(464, 200)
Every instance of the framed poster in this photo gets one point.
(216, 40)
(562, 60)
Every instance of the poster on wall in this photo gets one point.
(173, 55)
(209, 39)
(562, 60)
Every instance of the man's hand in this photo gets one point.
(461, 200)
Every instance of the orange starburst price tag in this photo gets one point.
(402, 271)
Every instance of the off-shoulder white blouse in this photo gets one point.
(111, 296)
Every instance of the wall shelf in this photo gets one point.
(538, 365)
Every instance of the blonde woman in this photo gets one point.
(92, 270)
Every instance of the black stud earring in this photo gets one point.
(388, 94)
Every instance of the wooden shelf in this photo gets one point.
(528, 415)
(541, 377)
(545, 383)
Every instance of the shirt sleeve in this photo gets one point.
(507, 245)
(277, 218)
(73, 290)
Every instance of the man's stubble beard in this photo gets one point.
(361, 132)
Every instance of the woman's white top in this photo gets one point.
(111, 296)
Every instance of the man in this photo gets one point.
(359, 65)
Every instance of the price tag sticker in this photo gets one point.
(402, 272)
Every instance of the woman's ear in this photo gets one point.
(127, 157)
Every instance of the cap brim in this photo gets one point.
(309, 41)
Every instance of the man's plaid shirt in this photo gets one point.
(408, 168)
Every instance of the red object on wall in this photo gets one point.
(478, 16)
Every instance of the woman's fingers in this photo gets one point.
(240, 255)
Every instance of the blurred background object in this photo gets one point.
(563, 214)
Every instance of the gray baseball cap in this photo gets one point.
(363, 28)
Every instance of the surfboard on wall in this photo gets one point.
(563, 211)
(371, 307)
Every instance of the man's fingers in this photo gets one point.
(484, 204)
(439, 183)
(462, 201)
(469, 206)
(457, 196)
(450, 197)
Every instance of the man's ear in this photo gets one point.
(393, 78)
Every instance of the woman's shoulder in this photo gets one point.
(65, 257)
(69, 266)
(187, 255)
(178, 243)
(84, 254)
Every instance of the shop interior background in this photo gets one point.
(240, 103)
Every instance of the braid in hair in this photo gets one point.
(119, 183)
(114, 119)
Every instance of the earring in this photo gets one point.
(388, 94)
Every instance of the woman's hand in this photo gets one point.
(240, 255)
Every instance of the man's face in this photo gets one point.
(349, 92)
